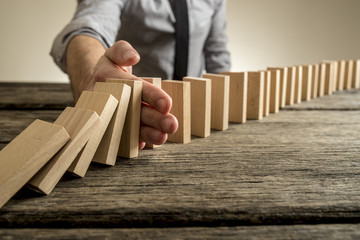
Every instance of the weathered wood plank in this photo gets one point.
(324, 231)
(292, 167)
(35, 96)
(344, 100)
(13, 122)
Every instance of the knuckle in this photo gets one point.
(152, 118)
(148, 116)
(100, 76)
(120, 45)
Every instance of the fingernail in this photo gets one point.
(166, 125)
(130, 54)
(161, 105)
(155, 136)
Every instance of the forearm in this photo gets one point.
(82, 55)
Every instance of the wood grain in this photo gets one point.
(108, 148)
(255, 173)
(200, 106)
(322, 73)
(35, 96)
(299, 166)
(104, 104)
(274, 91)
(355, 83)
(298, 84)
(322, 231)
(306, 82)
(180, 92)
(156, 82)
(219, 100)
(129, 143)
(153, 80)
(315, 80)
(26, 154)
(266, 99)
(237, 96)
(283, 84)
(335, 75)
(329, 77)
(340, 75)
(341, 101)
(79, 124)
(255, 96)
(290, 86)
(349, 66)
(12, 122)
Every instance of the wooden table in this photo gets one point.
(294, 174)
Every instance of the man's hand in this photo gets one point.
(88, 63)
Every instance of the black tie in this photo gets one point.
(182, 39)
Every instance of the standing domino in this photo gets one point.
(283, 84)
(290, 87)
(157, 83)
(200, 106)
(306, 82)
(255, 95)
(180, 93)
(219, 101)
(237, 96)
(274, 91)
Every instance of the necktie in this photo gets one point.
(182, 39)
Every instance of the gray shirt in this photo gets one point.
(148, 25)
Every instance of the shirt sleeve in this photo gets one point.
(217, 57)
(98, 19)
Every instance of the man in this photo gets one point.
(101, 39)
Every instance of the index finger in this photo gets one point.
(156, 97)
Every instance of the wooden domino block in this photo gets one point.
(154, 81)
(355, 83)
(200, 106)
(290, 86)
(349, 65)
(266, 104)
(340, 75)
(329, 77)
(335, 75)
(180, 93)
(219, 101)
(315, 80)
(104, 105)
(237, 96)
(80, 125)
(321, 85)
(306, 82)
(255, 95)
(298, 84)
(129, 143)
(157, 83)
(26, 154)
(274, 91)
(283, 84)
(110, 143)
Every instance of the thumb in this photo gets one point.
(122, 54)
